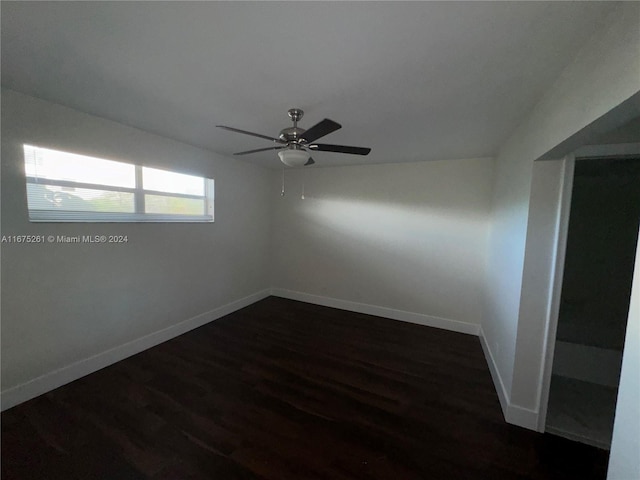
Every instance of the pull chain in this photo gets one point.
(282, 191)
(303, 177)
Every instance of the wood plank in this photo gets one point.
(288, 390)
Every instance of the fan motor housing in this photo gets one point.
(291, 134)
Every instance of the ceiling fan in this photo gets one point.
(295, 143)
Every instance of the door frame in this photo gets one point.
(556, 275)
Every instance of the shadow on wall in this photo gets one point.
(421, 250)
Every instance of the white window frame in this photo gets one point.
(139, 214)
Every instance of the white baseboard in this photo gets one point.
(503, 396)
(522, 417)
(49, 381)
(513, 414)
(411, 317)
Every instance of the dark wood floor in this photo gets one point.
(288, 390)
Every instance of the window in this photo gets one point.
(65, 187)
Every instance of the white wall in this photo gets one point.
(603, 75)
(402, 238)
(624, 461)
(64, 303)
(542, 216)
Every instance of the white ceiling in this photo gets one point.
(413, 81)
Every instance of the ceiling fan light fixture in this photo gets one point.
(294, 157)
(294, 142)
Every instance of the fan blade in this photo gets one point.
(260, 150)
(323, 147)
(266, 137)
(311, 161)
(325, 127)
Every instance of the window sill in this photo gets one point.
(48, 216)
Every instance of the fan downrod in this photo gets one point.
(295, 114)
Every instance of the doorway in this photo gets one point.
(594, 302)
